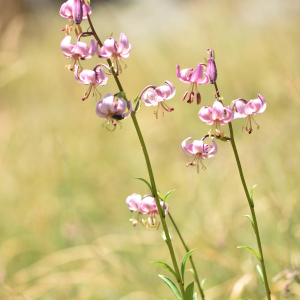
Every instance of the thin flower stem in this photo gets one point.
(191, 259)
(251, 205)
(149, 167)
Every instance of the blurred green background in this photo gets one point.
(65, 230)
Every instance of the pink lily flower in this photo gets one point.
(244, 109)
(133, 202)
(116, 52)
(194, 78)
(199, 150)
(75, 11)
(216, 116)
(211, 68)
(93, 77)
(148, 207)
(112, 112)
(155, 96)
(77, 51)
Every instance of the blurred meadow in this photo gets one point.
(65, 230)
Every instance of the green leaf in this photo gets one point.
(251, 219)
(167, 267)
(259, 270)
(160, 195)
(163, 234)
(111, 34)
(195, 296)
(184, 261)
(149, 185)
(120, 95)
(223, 139)
(251, 193)
(166, 198)
(189, 291)
(172, 286)
(134, 103)
(253, 251)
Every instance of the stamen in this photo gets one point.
(87, 93)
(184, 96)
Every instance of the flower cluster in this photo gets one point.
(218, 114)
(147, 206)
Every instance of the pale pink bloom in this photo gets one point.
(244, 109)
(153, 96)
(111, 111)
(216, 116)
(75, 10)
(195, 78)
(199, 150)
(93, 78)
(115, 51)
(77, 51)
(211, 68)
(133, 201)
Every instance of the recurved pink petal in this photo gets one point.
(77, 77)
(205, 115)
(66, 46)
(239, 107)
(88, 76)
(66, 10)
(123, 46)
(228, 115)
(109, 45)
(92, 49)
(147, 205)
(204, 80)
(99, 111)
(121, 107)
(197, 74)
(182, 75)
(81, 49)
(101, 77)
(86, 9)
(127, 114)
(150, 97)
(108, 105)
(185, 147)
(212, 152)
(218, 111)
(133, 201)
(197, 147)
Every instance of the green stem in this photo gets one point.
(191, 259)
(149, 167)
(251, 204)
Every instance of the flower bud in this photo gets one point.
(77, 11)
(211, 68)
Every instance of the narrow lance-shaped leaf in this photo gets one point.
(259, 270)
(195, 296)
(189, 291)
(253, 251)
(202, 283)
(149, 185)
(120, 95)
(172, 286)
(251, 219)
(184, 261)
(166, 198)
(137, 108)
(251, 195)
(166, 266)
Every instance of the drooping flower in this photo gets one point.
(77, 51)
(244, 109)
(155, 96)
(111, 111)
(211, 67)
(93, 78)
(198, 77)
(75, 10)
(115, 51)
(148, 207)
(217, 115)
(133, 202)
(199, 150)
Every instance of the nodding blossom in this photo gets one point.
(146, 206)
(217, 115)
(155, 96)
(199, 150)
(93, 78)
(194, 78)
(115, 51)
(75, 11)
(112, 112)
(211, 70)
(244, 109)
(77, 51)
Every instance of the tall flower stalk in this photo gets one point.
(251, 204)
(149, 168)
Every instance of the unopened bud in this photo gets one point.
(198, 98)
(77, 11)
(211, 68)
(184, 95)
(191, 98)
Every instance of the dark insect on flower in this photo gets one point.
(118, 117)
